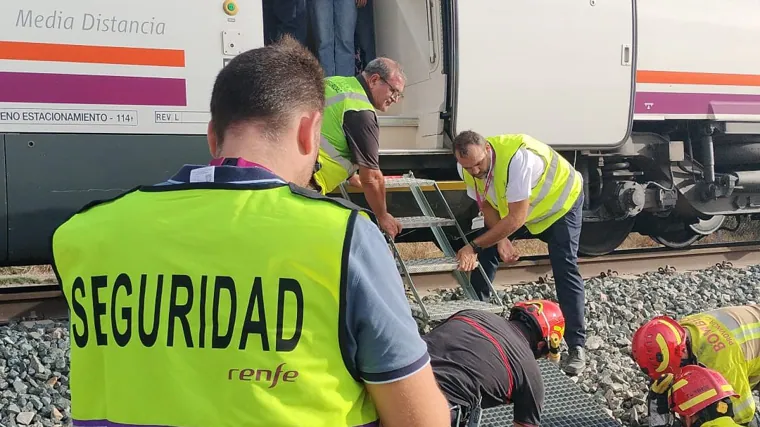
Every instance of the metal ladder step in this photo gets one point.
(441, 310)
(401, 182)
(425, 221)
(430, 265)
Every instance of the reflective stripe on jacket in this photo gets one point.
(195, 305)
(553, 196)
(727, 340)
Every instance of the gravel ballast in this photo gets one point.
(34, 355)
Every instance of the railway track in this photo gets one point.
(46, 301)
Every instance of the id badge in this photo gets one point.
(478, 222)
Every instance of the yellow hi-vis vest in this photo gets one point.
(342, 94)
(727, 340)
(553, 196)
(201, 305)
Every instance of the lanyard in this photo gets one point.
(239, 162)
(488, 182)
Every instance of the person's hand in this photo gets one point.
(361, 3)
(355, 181)
(390, 225)
(507, 251)
(468, 259)
(657, 397)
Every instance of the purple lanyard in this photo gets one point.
(239, 162)
(489, 180)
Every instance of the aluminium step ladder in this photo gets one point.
(438, 310)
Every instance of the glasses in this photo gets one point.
(395, 93)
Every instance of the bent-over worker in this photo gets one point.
(517, 180)
(482, 360)
(351, 134)
(231, 295)
(725, 340)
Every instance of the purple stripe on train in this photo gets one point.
(50, 88)
(106, 423)
(696, 103)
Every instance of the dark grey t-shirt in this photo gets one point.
(467, 363)
(363, 134)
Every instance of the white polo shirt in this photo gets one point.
(525, 171)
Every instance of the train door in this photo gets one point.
(561, 71)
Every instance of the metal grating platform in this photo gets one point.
(565, 405)
(440, 310)
(430, 265)
(424, 221)
(407, 182)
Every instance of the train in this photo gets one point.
(656, 104)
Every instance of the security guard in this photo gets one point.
(351, 135)
(702, 398)
(725, 340)
(526, 182)
(230, 295)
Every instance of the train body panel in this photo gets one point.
(559, 71)
(697, 61)
(655, 104)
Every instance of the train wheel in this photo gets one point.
(677, 239)
(600, 238)
(690, 234)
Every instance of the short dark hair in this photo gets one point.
(266, 85)
(466, 138)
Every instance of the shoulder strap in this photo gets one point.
(314, 195)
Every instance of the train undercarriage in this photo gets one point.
(675, 181)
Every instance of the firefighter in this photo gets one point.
(702, 398)
(482, 360)
(726, 340)
(350, 139)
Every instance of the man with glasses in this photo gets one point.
(350, 134)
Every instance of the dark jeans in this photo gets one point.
(284, 17)
(364, 34)
(334, 23)
(562, 238)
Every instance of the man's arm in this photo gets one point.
(363, 137)
(382, 344)
(744, 405)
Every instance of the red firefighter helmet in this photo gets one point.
(658, 346)
(696, 387)
(546, 316)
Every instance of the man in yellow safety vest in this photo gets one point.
(517, 180)
(351, 135)
(231, 295)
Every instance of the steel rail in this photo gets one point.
(46, 301)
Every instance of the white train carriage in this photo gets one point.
(656, 103)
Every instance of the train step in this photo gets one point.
(429, 265)
(565, 405)
(425, 221)
(447, 263)
(441, 310)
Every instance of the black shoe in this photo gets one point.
(576, 361)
